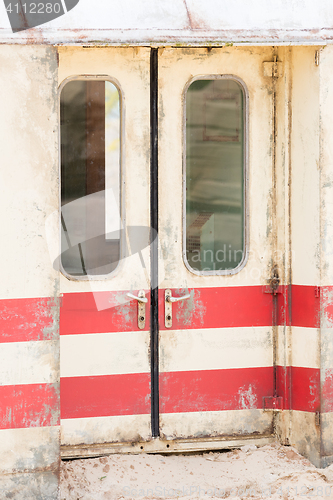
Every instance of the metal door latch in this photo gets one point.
(168, 306)
(142, 300)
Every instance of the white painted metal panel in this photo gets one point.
(175, 71)
(29, 151)
(112, 358)
(195, 362)
(119, 428)
(213, 349)
(104, 354)
(191, 21)
(130, 67)
(305, 197)
(244, 421)
(29, 362)
(28, 449)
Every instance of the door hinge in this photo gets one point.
(317, 292)
(273, 69)
(273, 286)
(273, 403)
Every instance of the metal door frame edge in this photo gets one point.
(158, 445)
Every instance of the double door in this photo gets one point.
(167, 238)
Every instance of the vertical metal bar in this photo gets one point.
(275, 271)
(154, 327)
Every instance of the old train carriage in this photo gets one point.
(167, 217)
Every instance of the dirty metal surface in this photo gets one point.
(163, 446)
(98, 319)
(182, 21)
(29, 304)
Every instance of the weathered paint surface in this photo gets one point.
(183, 21)
(105, 394)
(222, 344)
(29, 308)
(39, 486)
(326, 211)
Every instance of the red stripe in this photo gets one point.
(299, 387)
(191, 391)
(220, 308)
(284, 305)
(32, 319)
(283, 385)
(215, 390)
(79, 313)
(31, 405)
(105, 395)
(327, 306)
(327, 389)
(22, 320)
(305, 306)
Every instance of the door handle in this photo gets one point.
(177, 299)
(169, 299)
(142, 300)
(141, 296)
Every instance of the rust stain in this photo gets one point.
(194, 21)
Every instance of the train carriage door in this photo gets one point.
(105, 268)
(215, 229)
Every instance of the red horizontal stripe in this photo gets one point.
(82, 313)
(190, 391)
(32, 319)
(327, 390)
(283, 385)
(31, 405)
(305, 306)
(220, 307)
(215, 390)
(105, 395)
(327, 306)
(299, 387)
(22, 320)
(305, 389)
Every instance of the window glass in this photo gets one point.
(90, 177)
(214, 175)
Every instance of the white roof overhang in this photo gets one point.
(183, 22)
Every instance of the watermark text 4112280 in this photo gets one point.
(28, 14)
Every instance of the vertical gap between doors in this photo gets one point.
(154, 330)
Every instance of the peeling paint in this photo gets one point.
(247, 398)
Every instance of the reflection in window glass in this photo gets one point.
(214, 175)
(90, 177)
